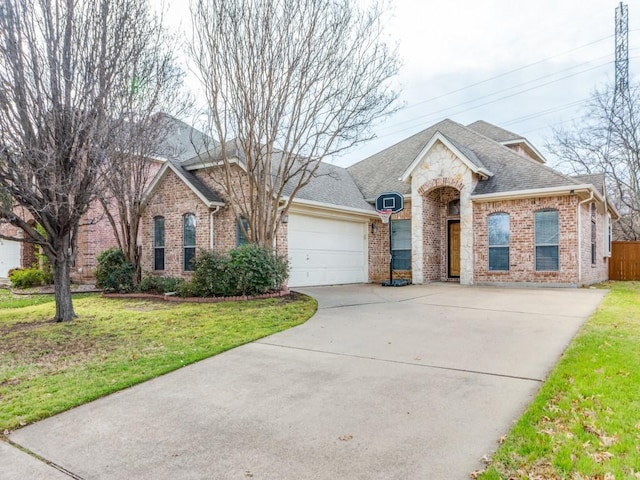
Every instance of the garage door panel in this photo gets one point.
(9, 256)
(326, 251)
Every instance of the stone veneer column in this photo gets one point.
(417, 253)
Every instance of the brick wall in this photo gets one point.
(522, 241)
(379, 248)
(598, 271)
(172, 200)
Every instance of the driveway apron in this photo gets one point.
(416, 382)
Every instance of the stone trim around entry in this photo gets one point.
(439, 183)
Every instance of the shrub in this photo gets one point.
(159, 285)
(211, 276)
(27, 277)
(257, 269)
(113, 272)
(247, 270)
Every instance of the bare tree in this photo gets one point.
(142, 124)
(65, 66)
(288, 83)
(607, 140)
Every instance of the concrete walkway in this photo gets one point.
(416, 382)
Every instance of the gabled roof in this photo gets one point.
(506, 137)
(494, 132)
(467, 156)
(511, 171)
(210, 197)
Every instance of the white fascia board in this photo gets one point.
(326, 209)
(217, 163)
(439, 137)
(537, 192)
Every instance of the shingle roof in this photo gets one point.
(208, 193)
(512, 171)
(333, 185)
(494, 132)
(182, 141)
(595, 179)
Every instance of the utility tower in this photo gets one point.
(621, 91)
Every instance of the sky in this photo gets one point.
(527, 66)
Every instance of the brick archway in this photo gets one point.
(439, 183)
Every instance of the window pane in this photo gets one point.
(158, 232)
(240, 238)
(189, 254)
(158, 260)
(498, 258)
(454, 207)
(547, 258)
(401, 244)
(401, 234)
(189, 230)
(499, 229)
(546, 227)
(401, 260)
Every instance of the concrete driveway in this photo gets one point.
(404, 383)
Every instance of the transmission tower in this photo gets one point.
(621, 91)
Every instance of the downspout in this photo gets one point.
(211, 214)
(590, 199)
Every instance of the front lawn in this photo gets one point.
(48, 367)
(585, 421)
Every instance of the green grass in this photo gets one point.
(48, 367)
(585, 421)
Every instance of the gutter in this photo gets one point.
(537, 192)
(590, 199)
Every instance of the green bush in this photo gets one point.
(247, 270)
(211, 276)
(159, 285)
(27, 277)
(257, 269)
(114, 273)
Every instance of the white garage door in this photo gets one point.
(326, 252)
(9, 256)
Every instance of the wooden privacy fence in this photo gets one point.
(624, 263)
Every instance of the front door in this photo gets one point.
(454, 248)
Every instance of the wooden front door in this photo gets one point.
(454, 248)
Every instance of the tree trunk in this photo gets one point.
(62, 284)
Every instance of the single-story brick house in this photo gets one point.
(481, 207)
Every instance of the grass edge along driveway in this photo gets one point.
(47, 367)
(585, 421)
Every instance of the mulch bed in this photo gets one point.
(172, 298)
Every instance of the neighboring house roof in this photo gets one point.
(511, 171)
(182, 141)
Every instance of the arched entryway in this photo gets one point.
(441, 235)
